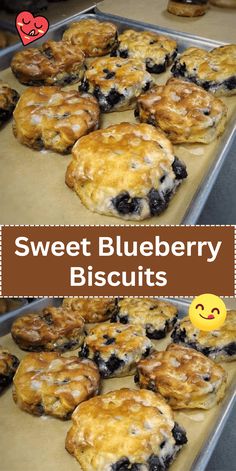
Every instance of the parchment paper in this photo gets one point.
(32, 443)
(33, 191)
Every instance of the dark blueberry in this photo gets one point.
(109, 341)
(156, 333)
(110, 75)
(114, 363)
(124, 319)
(136, 377)
(114, 97)
(157, 202)
(162, 444)
(48, 319)
(146, 353)
(151, 386)
(179, 169)
(124, 204)
(68, 345)
(161, 181)
(147, 86)
(206, 85)
(48, 53)
(84, 352)
(178, 69)
(152, 42)
(156, 68)
(206, 112)
(155, 464)
(68, 79)
(5, 380)
(38, 143)
(84, 86)
(179, 335)
(230, 83)
(179, 435)
(151, 120)
(124, 465)
(39, 409)
(15, 362)
(167, 461)
(206, 377)
(67, 416)
(124, 54)
(231, 348)
(113, 53)
(136, 112)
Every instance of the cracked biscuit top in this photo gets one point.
(95, 38)
(92, 310)
(54, 63)
(214, 70)
(157, 51)
(52, 118)
(53, 329)
(47, 383)
(125, 430)
(220, 345)
(8, 101)
(184, 111)
(8, 367)
(116, 348)
(184, 377)
(126, 170)
(157, 317)
(116, 82)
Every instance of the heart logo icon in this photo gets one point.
(30, 28)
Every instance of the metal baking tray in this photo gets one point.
(192, 457)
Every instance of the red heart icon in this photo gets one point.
(30, 28)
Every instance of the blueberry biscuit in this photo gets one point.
(125, 430)
(116, 348)
(157, 51)
(8, 101)
(116, 82)
(53, 329)
(92, 310)
(157, 317)
(219, 345)
(215, 70)
(48, 384)
(184, 111)
(95, 38)
(54, 63)
(184, 377)
(52, 118)
(126, 170)
(8, 367)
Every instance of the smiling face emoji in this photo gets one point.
(207, 312)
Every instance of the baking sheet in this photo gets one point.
(32, 188)
(29, 442)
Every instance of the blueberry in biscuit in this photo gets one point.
(116, 82)
(95, 38)
(116, 348)
(8, 366)
(184, 377)
(92, 310)
(213, 70)
(125, 430)
(8, 101)
(184, 111)
(52, 118)
(126, 170)
(219, 345)
(47, 383)
(155, 50)
(53, 63)
(53, 329)
(157, 317)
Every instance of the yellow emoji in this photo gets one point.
(207, 312)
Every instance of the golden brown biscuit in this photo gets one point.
(54, 63)
(125, 430)
(92, 310)
(8, 101)
(155, 316)
(53, 329)
(49, 384)
(219, 345)
(51, 118)
(116, 82)
(126, 170)
(95, 38)
(3, 40)
(157, 51)
(215, 70)
(8, 367)
(116, 348)
(184, 111)
(184, 377)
